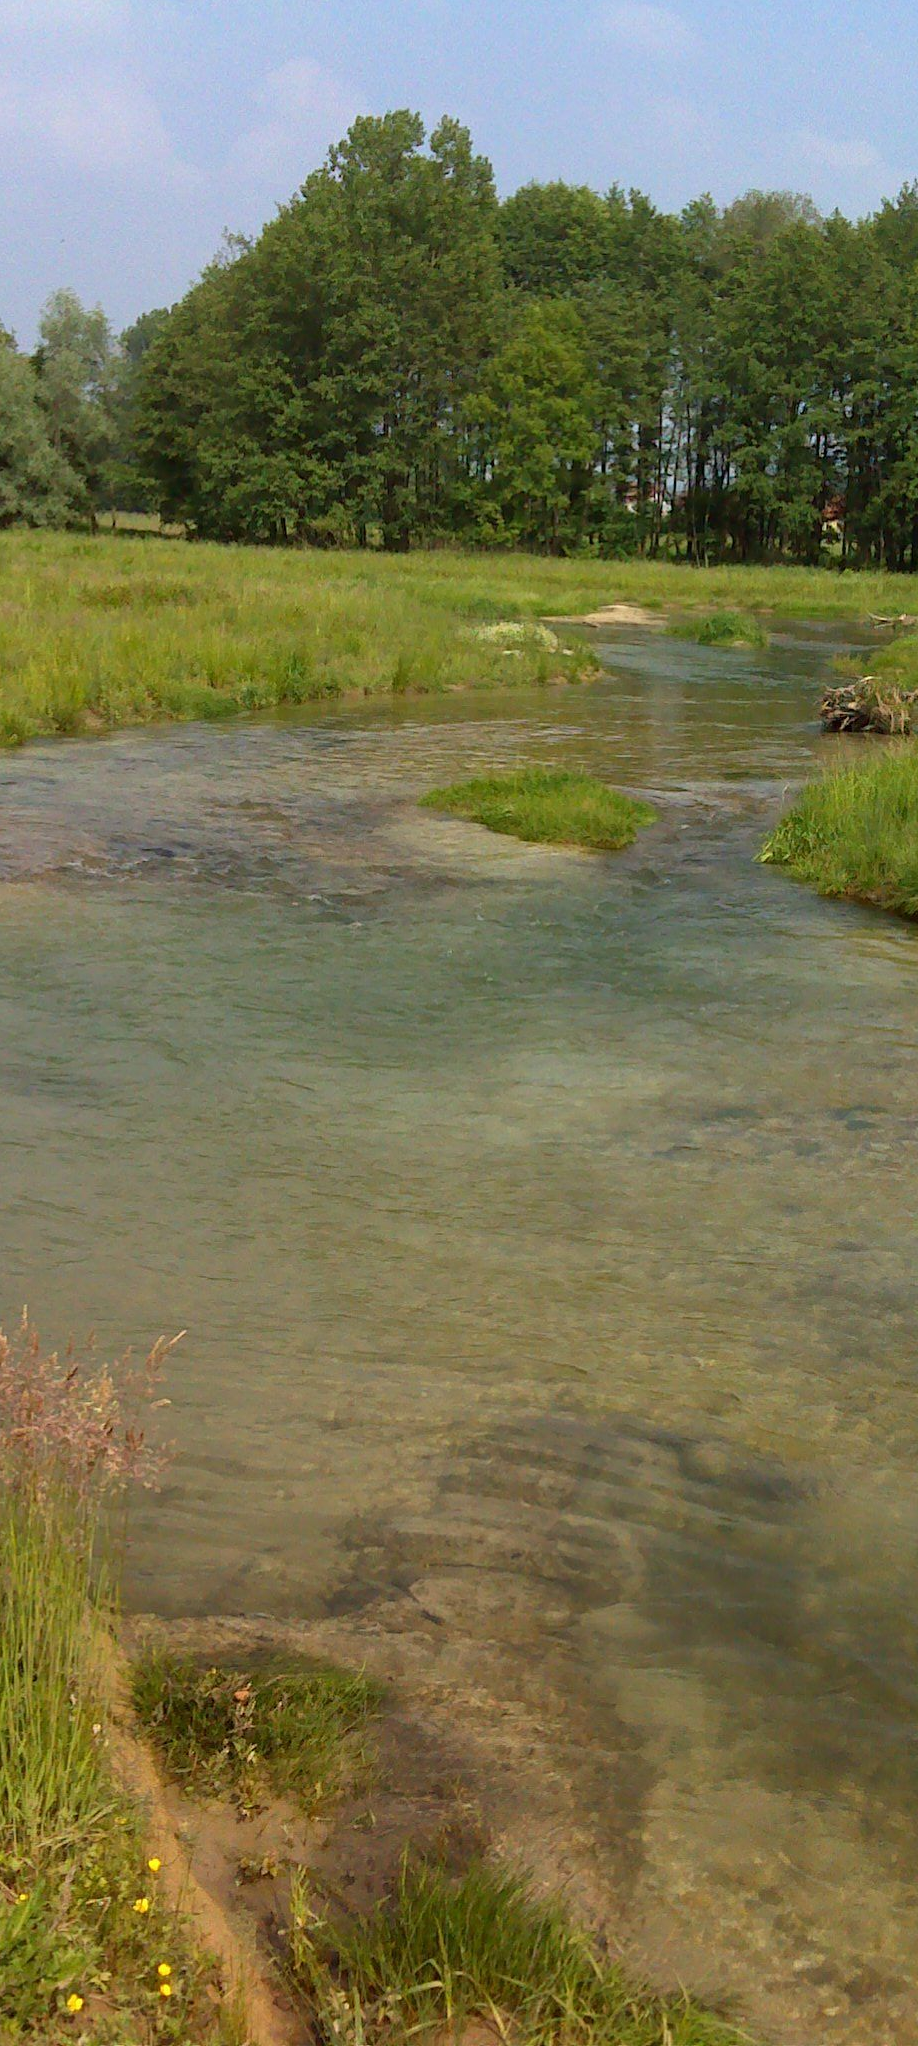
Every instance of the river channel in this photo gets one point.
(544, 1230)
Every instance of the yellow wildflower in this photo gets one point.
(141, 1904)
(164, 1968)
(154, 1863)
(23, 1897)
(74, 2003)
(165, 1989)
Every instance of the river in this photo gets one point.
(544, 1230)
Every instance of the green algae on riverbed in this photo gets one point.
(854, 833)
(547, 806)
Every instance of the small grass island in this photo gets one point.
(547, 806)
(722, 629)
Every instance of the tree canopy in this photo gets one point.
(401, 359)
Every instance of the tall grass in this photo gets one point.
(105, 631)
(854, 832)
(83, 1926)
(443, 1953)
(51, 1781)
(547, 806)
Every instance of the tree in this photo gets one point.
(536, 412)
(37, 486)
(75, 366)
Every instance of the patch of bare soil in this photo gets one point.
(612, 614)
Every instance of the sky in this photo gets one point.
(133, 132)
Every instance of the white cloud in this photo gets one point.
(301, 110)
(836, 152)
(649, 30)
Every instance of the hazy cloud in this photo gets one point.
(301, 110)
(91, 118)
(649, 30)
(837, 152)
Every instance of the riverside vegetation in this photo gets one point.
(101, 632)
(88, 1945)
(854, 832)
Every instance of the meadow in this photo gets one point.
(98, 631)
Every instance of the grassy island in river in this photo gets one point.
(547, 806)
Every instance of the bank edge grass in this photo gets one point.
(85, 1936)
(444, 1953)
(854, 831)
(95, 635)
(547, 806)
(299, 1729)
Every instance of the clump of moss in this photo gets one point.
(547, 806)
(299, 1729)
(854, 833)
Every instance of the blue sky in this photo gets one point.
(133, 131)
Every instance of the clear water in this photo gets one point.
(544, 1230)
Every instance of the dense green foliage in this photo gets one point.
(854, 832)
(442, 1956)
(547, 806)
(400, 358)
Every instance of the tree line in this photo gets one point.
(401, 359)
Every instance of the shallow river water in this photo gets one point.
(544, 1230)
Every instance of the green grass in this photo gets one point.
(444, 1953)
(547, 806)
(854, 832)
(97, 632)
(722, 628)
(77, 1958)
(298, 1730)
(898, 661)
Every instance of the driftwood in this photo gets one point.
(860, 707)
(900, 618)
